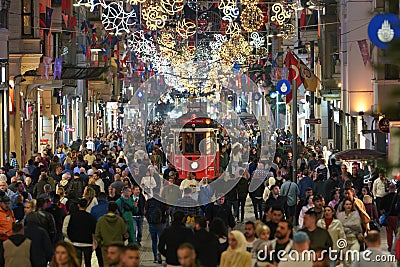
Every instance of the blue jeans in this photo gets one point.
(155, 232)
(138, 222)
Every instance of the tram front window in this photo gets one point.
(191, 142)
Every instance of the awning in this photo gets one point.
(76, 73)
(359, 154)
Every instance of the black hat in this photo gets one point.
(5, 199)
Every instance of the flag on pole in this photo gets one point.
(49, 13)
(293, 66)
(364, 49)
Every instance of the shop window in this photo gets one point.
(391, 72)
(27, 18)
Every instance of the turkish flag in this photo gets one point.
(293, 66)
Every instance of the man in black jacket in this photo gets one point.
(81, 229)
(45, 219)
(41, 250)
(220, 209)
(173, 237)
(58, 215)
(205, 243)
(330, 185)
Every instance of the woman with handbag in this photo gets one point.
(351, 222)
(372, 212)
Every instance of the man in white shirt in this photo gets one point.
(90, 144)
(379, 190)
(190, 181)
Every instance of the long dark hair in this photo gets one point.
(218, 227)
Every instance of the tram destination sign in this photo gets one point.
(313, 121)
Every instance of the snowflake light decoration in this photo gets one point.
(115, 18)
(257, 40)
(138, 43)
(79, 3)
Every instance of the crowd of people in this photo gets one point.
(63, 206)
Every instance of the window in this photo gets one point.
(391, 72)
(27, 18)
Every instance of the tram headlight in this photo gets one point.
(194, 165)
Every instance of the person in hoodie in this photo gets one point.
(110, 228)
(205, 243)
(41, 248)
(18, 248)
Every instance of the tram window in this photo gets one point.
(191, 142)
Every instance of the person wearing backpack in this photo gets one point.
(156, 215)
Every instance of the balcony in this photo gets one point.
(25, 46)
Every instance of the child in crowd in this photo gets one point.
(260, 247)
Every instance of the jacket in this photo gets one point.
(206, 245)
(17, 251)
(336, 230)
(221, 211)
(76, 187)
(41, 249)
(81, 227)
(110, 228)
(171, 239)
(6, 220)
(100, 209)
(242, 188)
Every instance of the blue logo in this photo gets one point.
(139, 94)
(283, 87)
(384, 28)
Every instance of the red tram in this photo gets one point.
(195, 146)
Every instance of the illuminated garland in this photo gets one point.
(233, 28)
(154, 17)
(281, 13)
(115, 18)
(257, 40)
(252, 18)
(186, 28)
(171, 7)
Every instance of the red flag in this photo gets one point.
(303, 18)
(293, 65)
(66, 6)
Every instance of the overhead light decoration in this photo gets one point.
(138, 43)
(220, 39)
(233, 28)
(171, 7)
(288, 31)
(237, 49)
(252, 18)
(281, 15)
(115, 18)
(257, 40)
(186, 28)
(229, 9)
(154, 16)
(79, 3)
(135, 2)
